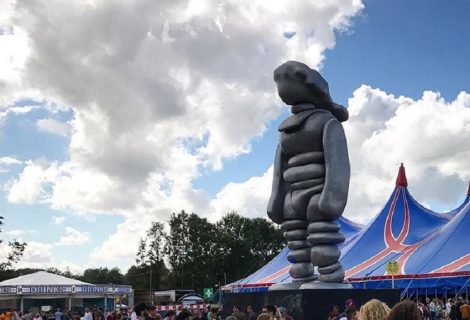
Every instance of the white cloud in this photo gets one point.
(53, 126)
(36, 255)
(173, 87)
(15, 111)
(178, 85)
(58, 220)
(73, 237)
(40, 255)
(5, 162)
(429, 135)
(248, 198)
(29, 188)
(9, 161)
(18, 232)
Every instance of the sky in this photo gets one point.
(116, 114)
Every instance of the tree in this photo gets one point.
(247, 244)
(103, 276)
(14, 255)
(193, 252)
(201, 254)
(150, 260)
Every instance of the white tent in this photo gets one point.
(41, 278)
(44, 285)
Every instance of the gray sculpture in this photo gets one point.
(311, 178)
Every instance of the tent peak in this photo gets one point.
(401, 177)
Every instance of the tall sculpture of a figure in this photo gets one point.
(311, 177)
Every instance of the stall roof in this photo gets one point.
(41, 278)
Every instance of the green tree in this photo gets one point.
(14, 255)
(150, 260)
(193, 250)
(200, 254)
(103, 276)
(248, 244)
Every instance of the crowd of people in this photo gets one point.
(429, 309)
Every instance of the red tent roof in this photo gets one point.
(401, 178)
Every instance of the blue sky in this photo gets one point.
(402, 47)
(91, 113)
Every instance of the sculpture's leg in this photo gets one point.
(324, 237)
(301, 270)
(295, 232)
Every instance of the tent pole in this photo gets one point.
(105, 302)
(21, 304)
(70, 303)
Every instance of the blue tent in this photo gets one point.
(392, 235)
(439, 264)
(277, 270)
(431, 248)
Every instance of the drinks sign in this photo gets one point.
(65, 290)
(46, 289)
(6, 290)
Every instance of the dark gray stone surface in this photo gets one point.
(311, 174)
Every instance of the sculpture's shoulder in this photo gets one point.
(315, 117)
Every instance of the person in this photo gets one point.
(170, 315)
(198, 314)
(458, 305)
(349, 304)
(238, 314)
(152, 313)
(405, 310)
(37, 317)
(58, 315)
(432, 309)
(283, 312)
(465, 310)
(271, 311)
(88, 314)
(183, 315)
(140, 310)
(250, 314)
(440, 310)
(263, 316)
(454, 312)
(374, 310)
(334, 313)
(448, 307)
(351, 314)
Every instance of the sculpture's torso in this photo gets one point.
(307, 136)
(301, 142)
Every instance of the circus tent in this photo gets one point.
(277, 270)
(431, 248)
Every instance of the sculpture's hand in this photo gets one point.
(335, 192)
(278, 193)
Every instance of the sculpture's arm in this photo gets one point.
(278, 193)
(337, 170)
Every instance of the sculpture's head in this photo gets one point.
(297, 83)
